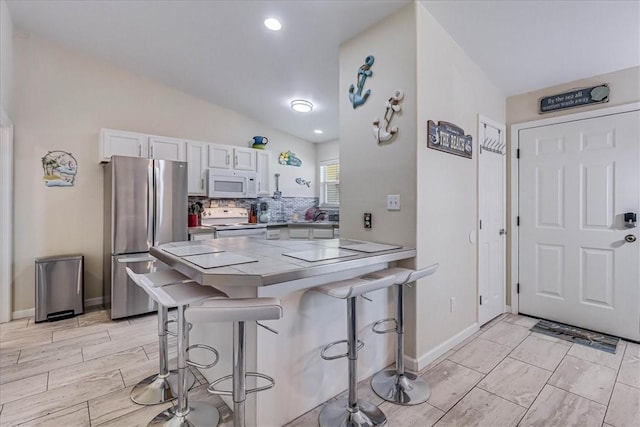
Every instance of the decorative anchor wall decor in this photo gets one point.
(384, 134)
(364, 71)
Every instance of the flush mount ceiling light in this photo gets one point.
(318, 131)
(272, 24)
(301, 106)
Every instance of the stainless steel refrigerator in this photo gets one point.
(145, 204)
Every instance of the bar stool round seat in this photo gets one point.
(351, 411)
(238, 311)
(180, 294)
(396, 385)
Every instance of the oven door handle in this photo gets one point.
(241, 232)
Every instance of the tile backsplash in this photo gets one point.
(281, 210)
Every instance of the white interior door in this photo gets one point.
(491, 216)
(576, 181)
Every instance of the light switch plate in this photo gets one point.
(393, 202)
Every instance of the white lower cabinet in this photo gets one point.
(322, 233)
(299, 232)
(311, 232)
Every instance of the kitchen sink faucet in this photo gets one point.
(317, 214)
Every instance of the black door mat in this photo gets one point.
(573, 334)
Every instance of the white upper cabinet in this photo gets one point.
(121, 143)
(232, 158)
(244, 159)
(263, 168)
(220, 156)
(165, 148)
(200, 156)
(197, 160)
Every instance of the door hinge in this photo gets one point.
(517, 288)
(518, 221)
(480, 224)
(518, 153)
(480, 299)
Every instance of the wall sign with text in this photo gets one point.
(449, 138)
(575, 98)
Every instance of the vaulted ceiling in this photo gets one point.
(220, 50)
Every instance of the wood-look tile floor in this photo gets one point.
(80, 371)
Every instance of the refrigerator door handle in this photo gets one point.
(151, 203)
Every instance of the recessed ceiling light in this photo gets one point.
(272, 24)
(318, 131)
(301, 106)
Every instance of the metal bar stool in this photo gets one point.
(396, 385)
(181, 295)
(237, 311)
(160, 387)
(351, 412)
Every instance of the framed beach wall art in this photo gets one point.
(59, 169)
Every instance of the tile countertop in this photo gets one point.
(266, 263)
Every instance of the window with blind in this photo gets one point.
(330, 183)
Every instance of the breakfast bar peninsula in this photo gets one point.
(247, 267)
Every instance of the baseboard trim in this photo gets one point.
(418, 364)
(21, 314)
(507, 309)
(31, 312)
(92, 302)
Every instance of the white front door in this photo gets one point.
(577, 179)
(491, 218)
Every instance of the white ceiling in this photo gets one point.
(219, 50)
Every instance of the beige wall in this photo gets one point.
(368, 171)
(451, 87)
(625, 89)
(6, 58)
(438, 191)
(61, 101)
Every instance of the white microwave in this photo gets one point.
(232, 184)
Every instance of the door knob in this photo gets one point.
(502, 232)
(630, 238)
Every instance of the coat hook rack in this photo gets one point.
(493, 145)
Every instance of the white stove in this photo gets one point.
(229, 222)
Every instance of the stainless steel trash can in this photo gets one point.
(59, 287)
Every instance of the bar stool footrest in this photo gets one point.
(271, 382)
(338, 356)
(375, 326)
(166, 327)
(204, 347)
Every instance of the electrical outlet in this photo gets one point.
(367, 220)
(393, 202)
(452, 304)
